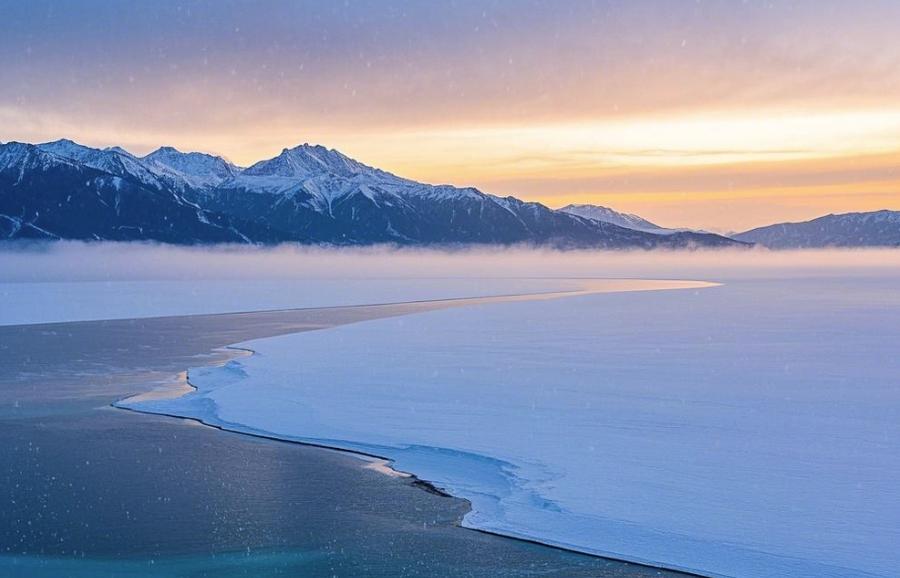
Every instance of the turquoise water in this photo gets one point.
(226, 565)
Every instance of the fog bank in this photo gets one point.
(75, 261)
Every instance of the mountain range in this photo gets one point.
(307, 194)
(873, 229)
(314, 195)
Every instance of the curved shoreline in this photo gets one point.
(448, 301)
(412, 477)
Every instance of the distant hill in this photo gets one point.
(874, 229)
(306, 194)
(607, 215)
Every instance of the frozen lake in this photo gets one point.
(743, 430)
(89, 491)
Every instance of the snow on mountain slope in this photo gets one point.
(323, 174)
(197, 170)
(312, 194)
(308, 160)
(118, 149)
(164, 169)
(24, 157)
(316, 177)
(607, 215)
(82, 193)
(111, 161)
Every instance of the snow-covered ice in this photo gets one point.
(744, 430)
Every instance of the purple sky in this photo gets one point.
(691, 113)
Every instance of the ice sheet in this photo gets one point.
(744, 430)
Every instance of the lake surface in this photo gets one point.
(89, 490)
(748, 429)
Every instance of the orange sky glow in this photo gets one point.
(714, 115)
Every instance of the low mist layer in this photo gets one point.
(74, 261)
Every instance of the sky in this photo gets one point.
(721, 114)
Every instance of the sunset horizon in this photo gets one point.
(716, 116)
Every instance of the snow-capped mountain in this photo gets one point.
(339, 200)
(874, 229)
(24, 158)
(163, 169)
(307, 194)
(114, 161)
(607, 215)
(311, 174)
(44, 195)
(190, 170)
(118, 149)
(307, 161)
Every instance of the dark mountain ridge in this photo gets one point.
(872, 229)
(307, 194)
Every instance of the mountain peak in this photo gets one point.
(607, 215)
(317, 151)
(117, 149)
(308, 194)
(198, 170)
(70, 149)
(165, 150)
(17, 146)
(64, 147)
(306, 160)
(19, 154)
(308, 147)
(12, 152)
